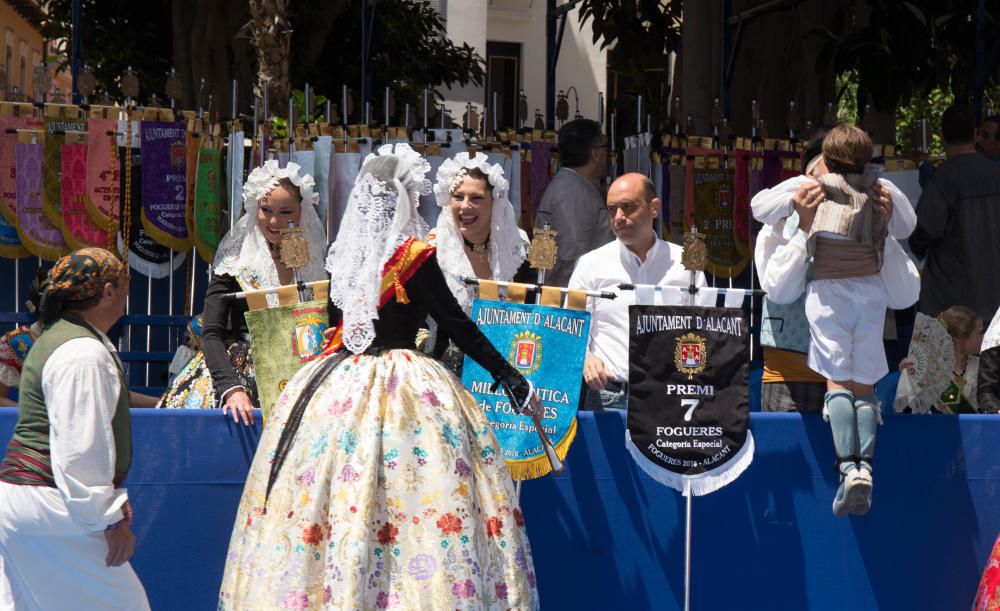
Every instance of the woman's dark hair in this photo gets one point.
(478, 174)
(292, 187)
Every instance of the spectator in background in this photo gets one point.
(958, 220)
(986, 137)
(939, 373)
(14, 345)
(572, 204)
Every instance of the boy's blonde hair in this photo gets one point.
(959, 321)
(847, 149)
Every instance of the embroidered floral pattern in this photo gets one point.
(192, 388)
(429, 520)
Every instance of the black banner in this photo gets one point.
(688, 409)
(146, 256)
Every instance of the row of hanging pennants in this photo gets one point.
(160, 184)
(143, 184)
(163, 184)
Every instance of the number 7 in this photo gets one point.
(690, 404)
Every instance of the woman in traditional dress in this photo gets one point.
(476, 237)
(14, 344)
(378, 482)
(940, 372)
(248, 259)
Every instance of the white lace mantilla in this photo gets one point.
(244, 253)
(381, 215)
(507, 243)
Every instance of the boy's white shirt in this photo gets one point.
(781, 253)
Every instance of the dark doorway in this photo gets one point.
(503, 76)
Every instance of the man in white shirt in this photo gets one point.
(65, 539)
(637, 256)
(572, 204)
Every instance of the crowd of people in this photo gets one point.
(376, 462)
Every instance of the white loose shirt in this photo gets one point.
(604, 269)
(771, 205)
(781, 252)
(81, 386)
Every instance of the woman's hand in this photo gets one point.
(908, 365)
(534, 408)
(805, 201)
(883, 202)
(239, 402)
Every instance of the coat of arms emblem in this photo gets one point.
(690, 354)
(526, 352)
(307, 336)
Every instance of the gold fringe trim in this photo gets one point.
(8, 214)
(162, 237)
(533, 468)
(11, 251)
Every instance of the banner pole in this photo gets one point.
(687, 545)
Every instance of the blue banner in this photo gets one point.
(547, 345)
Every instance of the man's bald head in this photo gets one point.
(632, 206)
(630, 181)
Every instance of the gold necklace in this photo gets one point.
(476, 248)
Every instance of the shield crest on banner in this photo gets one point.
(284, 338)
(526, 352)
(529, 335)
(688, 416)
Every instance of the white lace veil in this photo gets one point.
(243, 252)
(507, 243)
(381, 215)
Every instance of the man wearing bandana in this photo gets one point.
(65, 539)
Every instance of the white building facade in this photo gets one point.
(510, 35)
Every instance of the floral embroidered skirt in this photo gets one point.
(192, 388)
(988, 595)
(393, 494)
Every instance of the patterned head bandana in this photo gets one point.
(77, 276)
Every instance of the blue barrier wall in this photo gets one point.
(605, 536)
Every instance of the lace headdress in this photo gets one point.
(244, 252)
(381, 215)
(507, 243)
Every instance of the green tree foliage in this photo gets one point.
(640, 35)
(409, 46)
(905, 49)
(409, 50)
(117, 34)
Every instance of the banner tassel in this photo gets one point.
(701, 484)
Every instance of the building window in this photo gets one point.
(503, 77)
(8, 64)
(441, 6)
(24, 78)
